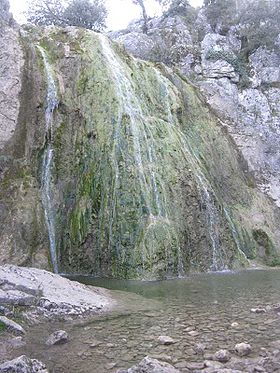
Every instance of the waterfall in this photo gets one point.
(47, 195)
(146, 161)
(130, 105)
(206, 191)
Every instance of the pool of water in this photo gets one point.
(206, 304)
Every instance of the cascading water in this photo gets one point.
(146, 162)
(211, 212)
(47, 200)
(131, 107)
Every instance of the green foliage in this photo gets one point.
(183, 9)
(261, 21)
(81, 13)
(222, 13)
(2, 327)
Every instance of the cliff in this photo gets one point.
(114, 166)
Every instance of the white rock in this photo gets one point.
(222, 356)
(165, 340)
(243, 349)
(149, 365)
(57, 338)
(23, 364)
(12, 326)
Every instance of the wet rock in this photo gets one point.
(222, 356)
(195, 366)
(165, 340)
(23, 364)
(193, 333)
(57, 338)
(213, 364)
(258, 310)
(243, 349)
(199, 348)
(149, 365)
(12, 326)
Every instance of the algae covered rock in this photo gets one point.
(124, 172)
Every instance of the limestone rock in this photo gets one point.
(222, 356)
(57, 338)
(6, 18)
(265, 65)
(51, 295)
(217, 54)
(12, 325)
(243, 349)
(149, 365)
(11, 57)
(138, 44)
(23, 364)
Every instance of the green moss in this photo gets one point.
(3, 327)
(133, 146)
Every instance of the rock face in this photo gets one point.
(6, 18)
(23, 364)
(49, 295)
(117, 167)
(244, 95)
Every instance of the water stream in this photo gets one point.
(47, 196)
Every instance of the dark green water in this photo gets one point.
(207, 304)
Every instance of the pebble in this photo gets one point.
(258, 310)
(165, 340)
(193, 333)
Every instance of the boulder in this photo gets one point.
(12, 325)
(149, 365)
(23, 364)
(243, 349)
(57, 338)
(46, 294)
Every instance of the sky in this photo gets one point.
(120, 12)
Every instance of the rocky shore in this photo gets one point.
(34, 293)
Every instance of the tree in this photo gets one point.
(144, 14)
(173, 7)
(261, 20)
(81, 13)
(222, 13)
